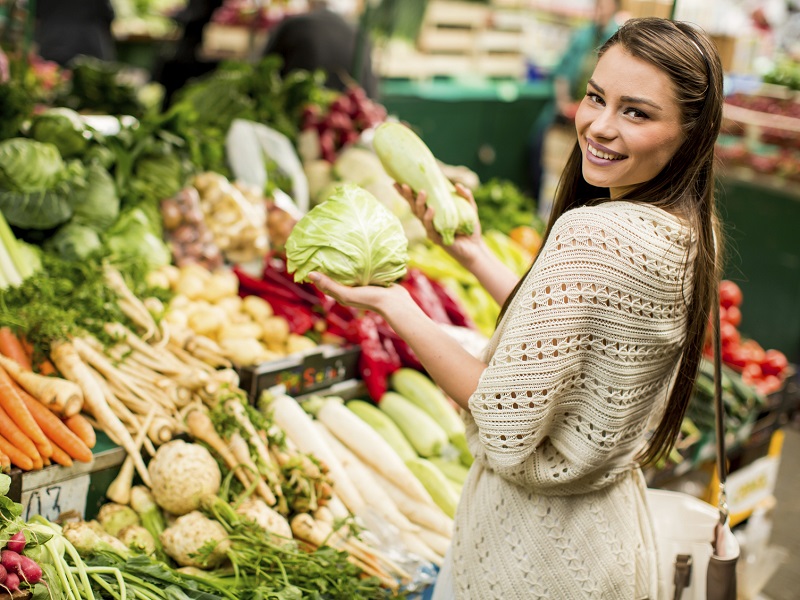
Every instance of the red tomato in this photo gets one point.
(769, 384)
(733, 315)
(751, 373)
(734, 357)
(729, 294)
(728, 334)
(775, 363)
(754, 350)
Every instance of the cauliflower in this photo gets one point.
(181, 474)
(191, 532)
(265, 517)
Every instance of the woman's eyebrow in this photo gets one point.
(630, 99)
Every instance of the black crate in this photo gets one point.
(302, 374)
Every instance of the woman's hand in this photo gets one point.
(378, 299)
(465, 248)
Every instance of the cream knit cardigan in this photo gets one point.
(578, 369)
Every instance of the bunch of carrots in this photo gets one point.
(40, 420)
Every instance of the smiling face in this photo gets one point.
(629, 122)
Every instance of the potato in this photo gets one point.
(299, 343)
(276, 330)
(206, 321)
(242, 351)
(241, 330)
(257, 307)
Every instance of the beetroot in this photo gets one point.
(17, 542)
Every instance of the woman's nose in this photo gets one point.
(604, 125)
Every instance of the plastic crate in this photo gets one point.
(302, 374)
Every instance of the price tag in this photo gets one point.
(54, 499)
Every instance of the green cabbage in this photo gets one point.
(74, 241)
(135, 236)
(63, 128)
(29, 166)
(352, 238)
(96, 205)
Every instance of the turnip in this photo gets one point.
(29, 571)
(17, 542)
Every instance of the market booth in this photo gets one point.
(184, 410)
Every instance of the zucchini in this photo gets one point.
(425, 435)
(407, 159)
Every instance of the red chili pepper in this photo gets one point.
(422, 292)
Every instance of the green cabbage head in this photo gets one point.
(352, 238)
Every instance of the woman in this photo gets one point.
(597, 345)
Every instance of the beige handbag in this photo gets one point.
(697, 552)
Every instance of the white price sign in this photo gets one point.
(54, 499)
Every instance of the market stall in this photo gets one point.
(183, 414)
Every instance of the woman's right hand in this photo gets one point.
(465, 248)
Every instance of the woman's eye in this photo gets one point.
(594, 97)
(636, 113)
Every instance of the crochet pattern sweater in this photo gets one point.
(578, 369)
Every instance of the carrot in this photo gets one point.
(16, 409)
(80, 426)
(45, 367)
(45, 451)
(38, 463)
(57, 431)
(60, 395)
(5, 461)
(60, 457)
(11, 347)
(16, 456)
(10, 431)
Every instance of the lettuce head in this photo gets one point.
(351, 237)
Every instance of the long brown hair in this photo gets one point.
(685, 186)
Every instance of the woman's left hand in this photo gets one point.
(368, 297)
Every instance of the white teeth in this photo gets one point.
(601, 154)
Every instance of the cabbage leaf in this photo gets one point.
(351, 237)
(96, 205)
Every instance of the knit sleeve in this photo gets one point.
(585, 352)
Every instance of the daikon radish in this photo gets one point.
(368, 445)
(374, 496)
(299, 427)
(425, 515)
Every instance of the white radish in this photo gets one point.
(374, 496)
(370, 447)
(299, 428)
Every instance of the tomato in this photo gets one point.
(732, 315)
(775, 363)
(754, 351)
(728, 334)
(752, 374)
(769, 384)
(729, 294)
(734, 357)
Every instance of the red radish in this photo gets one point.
(29, 570)
(3, 574)
(12, 582)
(17, 542)
(10, 560)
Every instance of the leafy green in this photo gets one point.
(63, 128)
(502, 206)
(96, 205)
(102, 87)
(40, 209)
(135, 234)
(74, 241)
(350, 237)
(29, 166)
(15, 106)
(9, 510)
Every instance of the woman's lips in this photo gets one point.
(600, 155)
